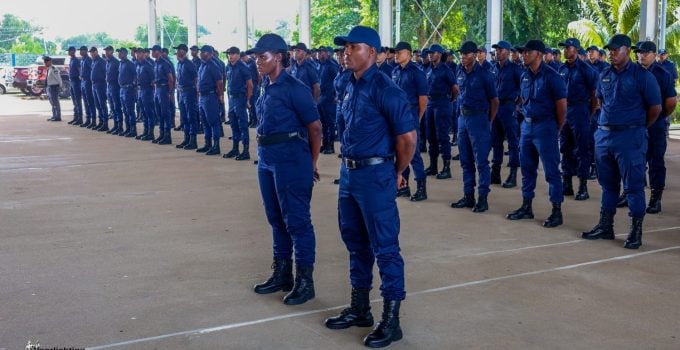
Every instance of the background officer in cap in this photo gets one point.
(597, 62)
(113, 90)
(75, 87)
(508, 78)
(382, 63)
(667, 64)
(379, 127)
(211, 100)
(127, 75)
(255, 77)
(478, 105)
(145, 75)
(165, 54)
(54, 83)
(557, 57)
(581, 81)
(631, 102)
(164, 84)
(304, 70)
(196, 59)
(86, 89)
(328, 70)
(240, 90)
(215, 57)
(340, 85)
(442, 90)
(98, 76)
(187, 77)
(483, 62)
(414, 83)
(289, 140)
(543, 96)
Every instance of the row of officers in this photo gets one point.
(565, 116)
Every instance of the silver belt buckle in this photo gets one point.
(350, 164)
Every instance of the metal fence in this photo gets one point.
(21, 59)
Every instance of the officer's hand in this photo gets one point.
(317, 177)
(401, 182)
(222, 99)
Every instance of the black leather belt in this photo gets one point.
(278, 138)
(352, 164)
(617, 127)
(206, 93)
(473, 112)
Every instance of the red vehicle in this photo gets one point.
(37, 76)
(19, 80)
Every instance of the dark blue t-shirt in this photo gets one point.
(626, 95)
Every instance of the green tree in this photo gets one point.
(27, 43)
(330, 18)
(14, 29)
(174, 32)
(417, 29)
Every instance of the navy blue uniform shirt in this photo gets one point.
(340, 84)
(285, 106)
(440, 81)
(254, 75)
(386, 68)
(306, 73)
(126, 72)
(488, 66)
(508, 80)
(477, 88)
(554, 65)
(670, 67)
(112, 70)
(540, 91)
(98, 70)
(599, 66)
(186, 74)
(626, 95)
(666, 86)
(86, 68)
(238, 76)
(412, 80)
(581, 80)
(375, 111)
(161, 70)
(74, 69)
(208, 76)
(144, 73)
(327, 73)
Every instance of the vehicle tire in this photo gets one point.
(65, 91)
(27, 91)
(3, 90)
(36, 91)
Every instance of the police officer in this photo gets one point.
(340, 85)
(557, 57)
(369, 177)
(504, 126)
(543, 96)
(187, 77)
(86, 89)
(75, 87)
(165, 53)
(54, 83)
(414, 83)
(667, 64)
(255, 77)
(478, 105)
(595, 61)
(582, 104)
(240, 90)
(113, 90)
(211, 99)
(127, 75)
(381, 62)
(289, 140)
(631, 102)
(548, 59)
(483, 62)
(657, 131)
(98, 76)
(442, 90)
(222, 107)
(164, 84)
(327, 72)
(304, 70)
(145, 74)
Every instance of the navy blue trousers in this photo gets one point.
(474, 145)
(77, 98)
(238, 119)
(539, 142)
(575, 142)
(505, 128)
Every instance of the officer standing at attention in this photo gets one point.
(340, 85)
(240, 90)
(414, 83)
(631, 103)
(377, 146)
(327, 73)
(86, 89)
(211, 99)
(75, 87)
(54, 84)
(304, 70)
(483, 62)
(289, 140)
(187, 77)
(508, 78)
(543, 96)
(667, 64)
(113, 90)
(478, 105)
(381, 61)
(165, 53)
(145, 76)
(582, 104)
(443, 90)
(255, 77)
(223, 68)
(595, 61)
(98, 76)
(557, 57)
(164, 86)
(127, 75)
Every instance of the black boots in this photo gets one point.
(511, 181)
(191, 145)
(167, 138)
(593, 172)
(468, 201)
(634, 240)
(481, 206)
(245, 155)
(114, 130)
(207, 147)
(582, 190)
(604, 229)
(160, 137)
(421, 192)
(446, 171)
(654, 206)
(433, 168)
(184, 142)
(387, 330)
(524, 212)
(281, 279)
(303, 289)
(567, 186)
(329, 148)
(404, 192)
(149, 136)
(357, 314)
(555, 218)
(623, 200)
(215, 149)
(233, 153)
(495, 174)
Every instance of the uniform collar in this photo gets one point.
(368, 74)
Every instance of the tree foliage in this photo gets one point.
(21, 36)
(172, 28)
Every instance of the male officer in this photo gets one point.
(222, 111)
(443, 90)
(187, 77)
(86, 89)
(211, 97)
(304, 70)
(414, 83)
(127, 75)
(667, 64)
(240, 90)
(98, 76)
(381, 62)
(165, 53)
(657, 132)
(543, 96)
(340, 85)
(255, 77)
(195, 57)
(596, 62)
(483, 62)
(516, 57)
(581, 81)
(327, 73)
(75, 87)
(631, 102)
(557, 57)
(368, 215)
(164, 84)
(113, 90)
(594, 59)
(478, 105)
(145, 75)
(508, 78)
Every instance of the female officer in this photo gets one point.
(289, 141)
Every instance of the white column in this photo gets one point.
(662, 25)
(494, 22)
(649, 20)
(304, 27)
(193, 23)
(243, 25)
(397, 20)
(385, 22)
(151, 26)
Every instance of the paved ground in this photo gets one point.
(112, 243)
